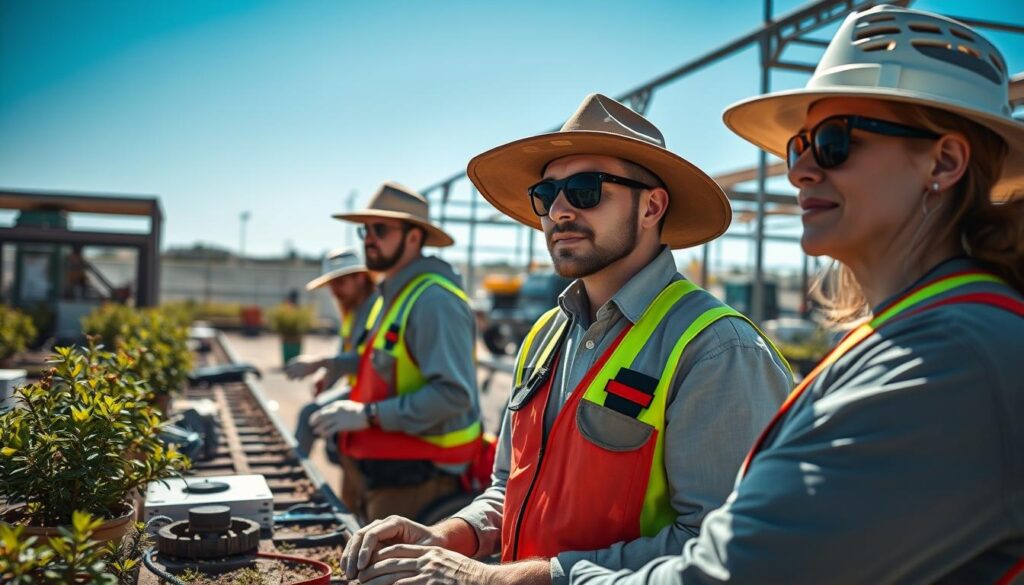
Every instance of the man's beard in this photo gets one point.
(382, 262)
(576, 264)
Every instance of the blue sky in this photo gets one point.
(285, 108)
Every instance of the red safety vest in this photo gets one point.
(454, 447)
(568, 492)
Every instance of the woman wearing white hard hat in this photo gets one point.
(900, 458)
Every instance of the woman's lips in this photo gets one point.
(812, 206)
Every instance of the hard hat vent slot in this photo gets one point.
(877, 32)
(882, 46)
(966, 58)
(924, 27)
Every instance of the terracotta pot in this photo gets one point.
(113, 529)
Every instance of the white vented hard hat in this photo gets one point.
(902, 55)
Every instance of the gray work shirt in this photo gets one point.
(902, 463)
(727, 386)
(440, 335)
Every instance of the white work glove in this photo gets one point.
(339, 417)
(302, 366)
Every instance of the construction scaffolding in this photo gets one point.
(777, 40)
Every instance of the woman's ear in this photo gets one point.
(951, 153)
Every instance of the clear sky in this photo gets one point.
(285, 108)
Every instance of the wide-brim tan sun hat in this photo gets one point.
(394, 201)
(899, 55)
(337, 263)
(698, 209)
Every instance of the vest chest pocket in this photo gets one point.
(611, 430)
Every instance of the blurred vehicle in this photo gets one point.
(516, 303)
(739, 295)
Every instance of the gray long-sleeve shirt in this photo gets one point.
(903, 463)
(727, 385)
(440, 335)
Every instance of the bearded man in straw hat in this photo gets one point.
(411, 425)
(635, 399)
(351, 286)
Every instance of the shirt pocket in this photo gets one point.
(611, 430)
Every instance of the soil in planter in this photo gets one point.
(269, 571)
(265, 572)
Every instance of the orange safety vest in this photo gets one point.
(454, 447)
(569, 493)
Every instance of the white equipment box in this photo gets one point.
(248, 496)
(10, 380)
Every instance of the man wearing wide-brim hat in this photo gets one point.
(635, 399)
(351, 285)
(411, 424)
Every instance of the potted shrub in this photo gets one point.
(290, 322)
(155, 339)
(84, 439)
(16, 332)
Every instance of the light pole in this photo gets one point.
(350, 205)
(243, 218)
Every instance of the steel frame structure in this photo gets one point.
(773, 38)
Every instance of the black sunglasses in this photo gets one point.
(829, 140)
(582, 190)
(380, 230)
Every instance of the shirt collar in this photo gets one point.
(632, 299)
(389, 287)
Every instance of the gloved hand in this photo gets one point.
(339, 417)
(302, 366)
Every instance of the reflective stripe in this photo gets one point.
(528, 342)
(928, 291)
(455, 438)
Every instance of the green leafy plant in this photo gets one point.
(16, 331)
(155, 339)
(85, 439)
(181, 312)
(71, 557)
(159, 348)
(112, 322)
(124, 557)
(809, 347)
(290, 321)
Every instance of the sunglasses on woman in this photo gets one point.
(829, 140)
(582, 190)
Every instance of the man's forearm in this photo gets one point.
(457, 535)
(531, 572)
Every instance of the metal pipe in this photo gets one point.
(757, 304)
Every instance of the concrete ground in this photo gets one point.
(287, 397)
